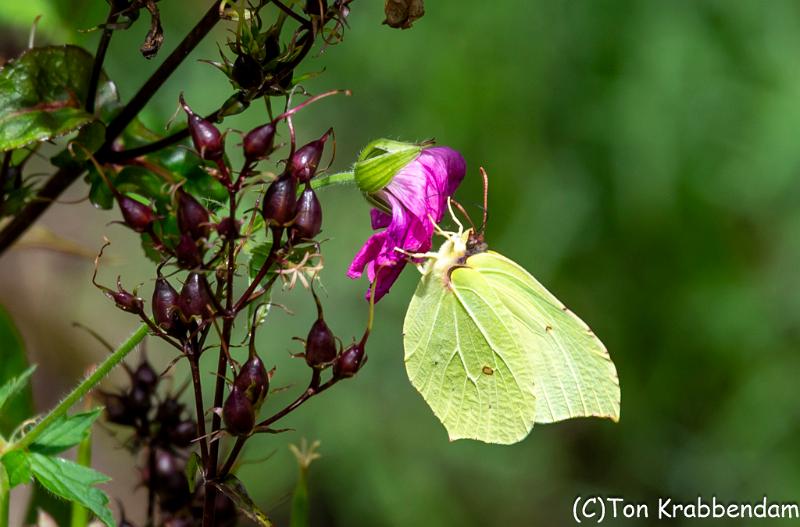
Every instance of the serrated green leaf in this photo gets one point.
(42, 94)
(17, 467)
(65, 432)
(233, 489)
(88, 140)
(192, 465)
(73, 482)
(13, 364)
(258, 255)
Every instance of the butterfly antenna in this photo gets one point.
(485, 198)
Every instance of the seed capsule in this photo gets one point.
(280, 200)
(188, 252)
(320, 342)
(124, 300)
(138, 401)
(166, 311)
(303, 164)
(259, 142)
(349, 361)
(253, 381)
(193, 218)
(145, 376)
(183, 433)
(206, 137)
(136, 215)
(238, 413)
(228, 228)
(308, 216)
(196, 299)
(169, 411)
(247, 72)
(320, 345)
(116, 409)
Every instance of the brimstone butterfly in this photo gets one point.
(493, 352)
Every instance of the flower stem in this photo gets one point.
(5, 490)
(87, 384)
(99, 58)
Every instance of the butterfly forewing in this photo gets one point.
(463, 354)
(573, 371)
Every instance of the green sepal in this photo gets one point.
(380, 160)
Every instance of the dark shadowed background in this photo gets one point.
(645, 165)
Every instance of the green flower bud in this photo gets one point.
(380, 161)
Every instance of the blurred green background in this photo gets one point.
(645, 165)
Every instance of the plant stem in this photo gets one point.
(79, 391)
(199, 407)
(5, 491)
(80, 514)
(222, 364)
(99, 58)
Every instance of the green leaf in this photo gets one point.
(234, 490)
(18, 467)
(73, 482)
(42, 95)
(192, 465)
(88, 140)
(65, 432)
(258, 255)
(13, 364)
(15, 386)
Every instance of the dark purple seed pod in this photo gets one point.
(253, 381)
(308, 216)
(320, 345)
(182, 433)
(228, 228)
(126, 301)
(166, 310)
(238, 413)
(116, 409)
(304, 162)
(135, 214)
(316, 7)
(188, 253)
(170, 480)
(247, 72)
(259, 142)
(280, 201)
(272, 48)
(225, 512)
(193, 218)
(169, 411)
(138, 401)
(196, 299)
(349, 361)
(145, 376)
(206, 137)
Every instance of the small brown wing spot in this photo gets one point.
(548, 328)
(487, 370)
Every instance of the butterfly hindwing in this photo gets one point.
(573, 371)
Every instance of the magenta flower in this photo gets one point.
(417, 197)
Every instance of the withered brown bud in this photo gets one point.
(403, 13)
